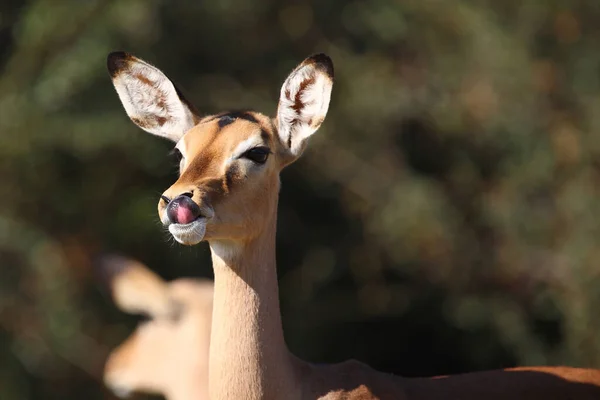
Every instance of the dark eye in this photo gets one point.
(176, 154)
(257, 154)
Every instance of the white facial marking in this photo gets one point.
(243, 147)
(164, 218)
(189, 234)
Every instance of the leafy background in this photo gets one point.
(443, 220)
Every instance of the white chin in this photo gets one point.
(189, 234)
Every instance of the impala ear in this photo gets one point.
(135, 289)
(150, 99)
(304, 101)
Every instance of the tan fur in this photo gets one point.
(248, 355)
(237, 201)
(168, 354)
(136, 289)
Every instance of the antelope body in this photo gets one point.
(168, 354)
(227, 195)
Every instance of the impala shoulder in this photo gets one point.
(353, 380)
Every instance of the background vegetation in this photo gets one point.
(444, 219)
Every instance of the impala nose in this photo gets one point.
(182, 210)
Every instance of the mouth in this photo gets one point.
(189, 234)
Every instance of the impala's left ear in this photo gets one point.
(134, 287)
(304, 101)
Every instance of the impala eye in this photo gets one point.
(257, 154)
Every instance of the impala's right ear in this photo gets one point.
(150, 99)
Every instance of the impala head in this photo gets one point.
(230, 162)
(168, 353)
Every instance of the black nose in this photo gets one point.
(182, 210)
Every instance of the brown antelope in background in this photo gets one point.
(227, 195)
(168, 354)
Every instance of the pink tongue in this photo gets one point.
(184, 215)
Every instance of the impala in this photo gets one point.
(168, 354)
(227, 194)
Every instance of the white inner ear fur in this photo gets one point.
(151, 101)
(303, 104)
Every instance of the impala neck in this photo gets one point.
(248, 355)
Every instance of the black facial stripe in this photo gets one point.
(230, 174)
(241, 115)
(225, 120)
(273, 127)
(264, 135)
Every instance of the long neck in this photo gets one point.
(248, 355)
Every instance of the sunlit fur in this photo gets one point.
(236, 192)
(232, 192)
(238, 200)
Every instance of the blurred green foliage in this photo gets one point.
(443, 220)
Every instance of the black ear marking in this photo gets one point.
(321, 62)
(116, 62)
